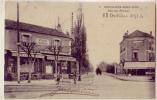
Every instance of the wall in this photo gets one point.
(11, 40)
(141, 44)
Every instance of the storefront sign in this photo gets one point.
(41, 41)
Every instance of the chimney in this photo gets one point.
(150, 32)
(59, 28)
(126, 34)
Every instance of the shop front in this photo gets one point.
(41, 68)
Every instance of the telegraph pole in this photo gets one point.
(72, 28)
(18, 46)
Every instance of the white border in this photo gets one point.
(89, 0)
(2, 17)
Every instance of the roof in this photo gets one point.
(10, 24)
(138, 33)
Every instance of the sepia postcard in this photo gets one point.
(79, 49)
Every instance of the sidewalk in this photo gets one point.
(131, 78)
(43, 85)
(44, 81)
(35, 85)
(33, 82)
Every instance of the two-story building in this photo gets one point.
(137, 53)
(43, 37)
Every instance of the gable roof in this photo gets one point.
(10, 24)
(135, 34)
(138, 33)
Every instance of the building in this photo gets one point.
(137, 53)
(44, 63)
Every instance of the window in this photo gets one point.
(57, 42)
(151, 57)
(122, 49)
(135, 56)
(150, 47)
(26, 37)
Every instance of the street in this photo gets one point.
(91, 86)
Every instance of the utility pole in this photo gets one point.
(18, 46)
(155, 20)
(72, 28)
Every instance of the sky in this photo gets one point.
(103, 33)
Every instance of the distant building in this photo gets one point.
(43, 37)
(137, 53)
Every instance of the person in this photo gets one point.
(74, 77)
(58, 79)
(98, 71)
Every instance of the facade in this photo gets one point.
(137, 53)
(44, 63)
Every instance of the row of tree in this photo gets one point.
(32, 49)
(79, 47)
(79, 50)
(105, 67)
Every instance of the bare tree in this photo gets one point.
(55, 50)
(30, 48)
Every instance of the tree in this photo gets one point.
(55, 50)
(105, 67)
(79, 45)
(30, 48)
(78, 42)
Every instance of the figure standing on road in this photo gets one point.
(98, 71)
(58, 79)
(74, 77)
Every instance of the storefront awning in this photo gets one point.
(49, 57)
(23, 54)
(65, 58)
(139, 65)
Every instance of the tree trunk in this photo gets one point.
(80, 65)
(30, 71)
(56, 67)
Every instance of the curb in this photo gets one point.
(123, 79)
(133, 80)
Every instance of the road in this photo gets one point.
(91, 86)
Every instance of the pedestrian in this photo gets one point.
(58, 79)
(74, 77)
(98, 71)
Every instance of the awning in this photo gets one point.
(66, 58)
(23, 54)
(49, 57)
(139, 65)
